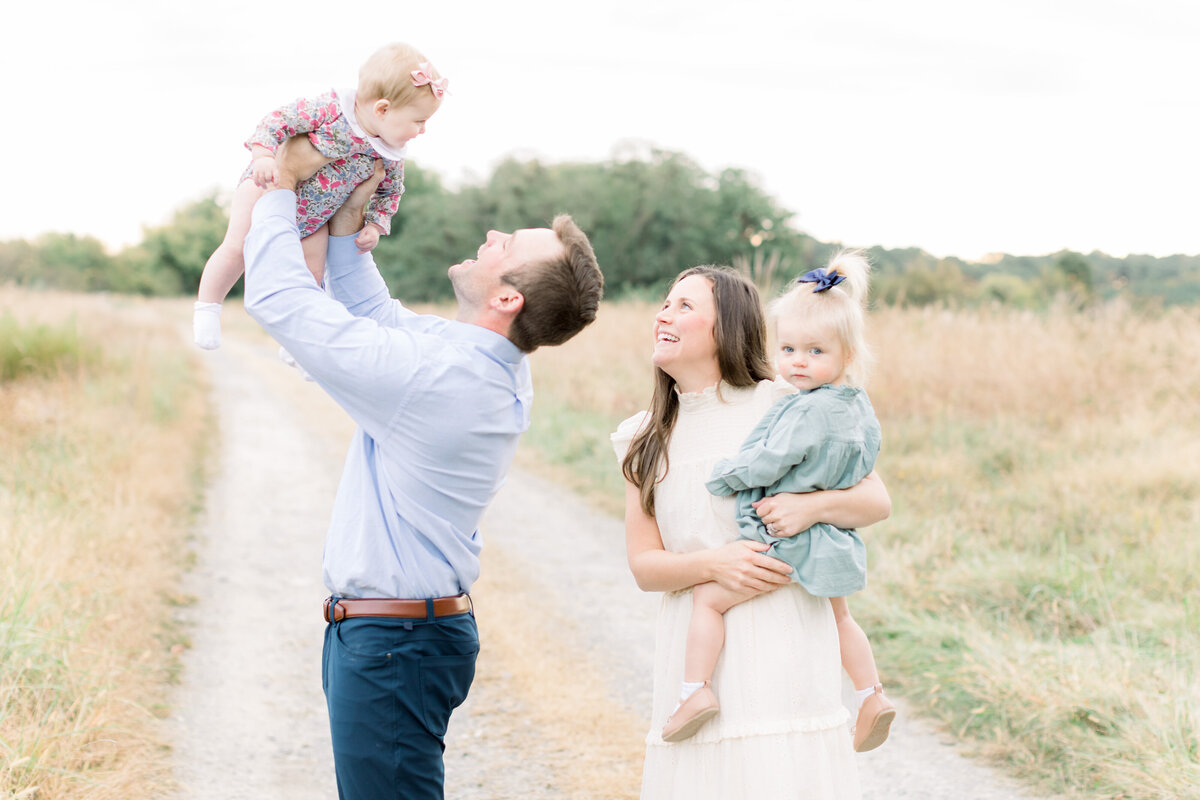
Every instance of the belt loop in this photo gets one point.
(429, 609)
(333, 609)
(470, 603)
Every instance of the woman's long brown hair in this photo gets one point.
(741, 338)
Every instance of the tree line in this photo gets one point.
(649, 215)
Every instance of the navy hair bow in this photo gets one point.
(823, 280)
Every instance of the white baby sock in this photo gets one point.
(688, 688)
(863, 694)
(206, 325)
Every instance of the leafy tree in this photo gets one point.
(180, 248)
(650, 213)
(1076, 273)
(18, 262)
(67, 261)
(1007, 290)
(433, 229)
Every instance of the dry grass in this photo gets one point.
(1036, 588)
(98, 474)
(1037, 585)
(531, 656)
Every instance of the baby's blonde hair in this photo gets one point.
(840, 308)
(387, 75)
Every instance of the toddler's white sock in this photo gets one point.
(863, 694)
(206, 325)
(687, 688)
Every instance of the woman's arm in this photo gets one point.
(863, 504)
(739, 565)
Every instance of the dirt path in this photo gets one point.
(556, 600)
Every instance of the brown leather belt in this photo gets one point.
(405, 609)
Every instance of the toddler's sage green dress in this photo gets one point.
(825, 438)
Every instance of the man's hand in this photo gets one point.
(297, 160)
(348, 219)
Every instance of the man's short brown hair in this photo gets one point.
(561, 294)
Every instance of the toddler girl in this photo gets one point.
(824, 437)
(398, 91)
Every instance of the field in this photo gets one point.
(1037, 588)
(102, 441)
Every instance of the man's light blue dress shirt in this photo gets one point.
(439, 404)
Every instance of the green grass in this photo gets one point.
(40, 349)
(1043, 615)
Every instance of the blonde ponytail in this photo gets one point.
(835, 296)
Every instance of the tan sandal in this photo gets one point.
(874, 722)
(685, 720)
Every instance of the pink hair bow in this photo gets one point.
(423, 75)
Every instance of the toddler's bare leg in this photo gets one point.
(875, 711)
(857, 658)
(315, 246)
(706, 633)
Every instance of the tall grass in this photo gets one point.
(1038, 586)
(40, 348)
(581, 391)
(101, 439)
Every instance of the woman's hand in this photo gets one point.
(788, 514)
(741, 566)
(863, 504)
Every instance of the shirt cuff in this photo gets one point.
(277, 203)
(342, 256)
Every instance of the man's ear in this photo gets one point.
(508, 301)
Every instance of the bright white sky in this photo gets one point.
(961, 127)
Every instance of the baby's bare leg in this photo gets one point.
(226, 264)
(315, 246)
(706, 633)
(857, 658)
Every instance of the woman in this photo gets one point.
(782, 729)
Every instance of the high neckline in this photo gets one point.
(710, 397)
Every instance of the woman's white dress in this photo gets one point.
(782, 731)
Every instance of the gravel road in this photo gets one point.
(249, 718)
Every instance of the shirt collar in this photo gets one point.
(499, 347)
(346, 98)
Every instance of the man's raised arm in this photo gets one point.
(351, 276)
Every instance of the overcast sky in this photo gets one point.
(961, 127)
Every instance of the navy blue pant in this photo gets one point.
(390, 685)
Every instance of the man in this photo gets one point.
(440, 405)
